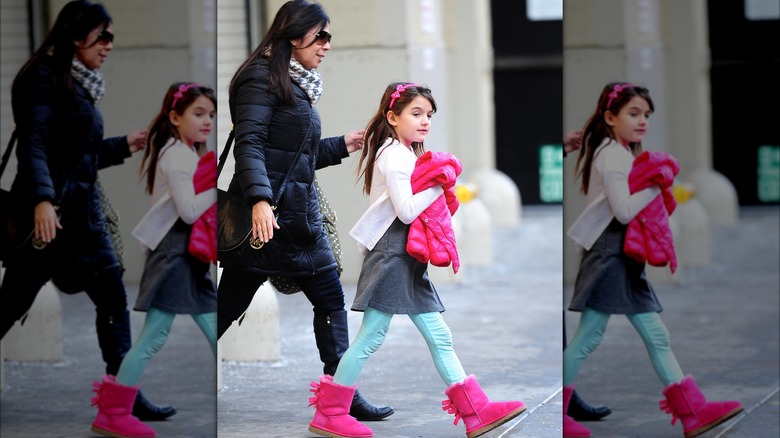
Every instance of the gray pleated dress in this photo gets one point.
(611, 282)
(394, 282)
(173, 280)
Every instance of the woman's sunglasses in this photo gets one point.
(323, 37)
(105, 36)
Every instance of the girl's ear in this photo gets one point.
(392, 119)
(609, 118)
(175, 118)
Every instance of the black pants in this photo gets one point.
(106, 290)
(237, 287)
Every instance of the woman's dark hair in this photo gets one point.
(293, 20)
(379, 129)
(613, 98)
(178, 98)
(74, 23)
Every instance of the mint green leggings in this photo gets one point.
(153, 335)
(650, 328)
(372, 334)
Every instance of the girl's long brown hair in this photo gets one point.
(379, 129)
(596, 129)
(161, 130)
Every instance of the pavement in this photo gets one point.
(724, 322)
(506, 323)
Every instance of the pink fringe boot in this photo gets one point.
(467, 401)
(332, 418)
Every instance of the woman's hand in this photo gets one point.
(136, 140)
(354, 140)
(46, 222)
(263, 221)
(572, 141)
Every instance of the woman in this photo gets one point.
(271, 99)
(61, 147)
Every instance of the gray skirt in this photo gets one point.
(173, 280)
(611, 282)
(394, 282)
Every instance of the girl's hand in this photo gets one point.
(263, 221)
(46, 222)
(354, 140)
(136, 140)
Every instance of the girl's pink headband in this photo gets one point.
(397, 93)
(616, 91)
(180, 93)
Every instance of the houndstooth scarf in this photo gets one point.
(91, 80)
(309, 80)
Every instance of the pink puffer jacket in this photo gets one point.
(648, 237)
(203, 239)
(431, 237)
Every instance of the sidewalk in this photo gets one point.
(48, 400)
(506, 324)
(723, 320)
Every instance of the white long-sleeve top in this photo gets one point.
(173, 194)
(391, 195)
(609, 195)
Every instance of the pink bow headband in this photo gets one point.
(616, 91)
(397, 93)
(180, 93)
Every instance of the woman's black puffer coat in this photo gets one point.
(60, 136)
(268, 132)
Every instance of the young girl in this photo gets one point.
(173, 281)
(392, 281)
(609, 281)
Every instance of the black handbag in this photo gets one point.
(14, 232)
(235, 244)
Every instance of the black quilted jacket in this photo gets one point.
(61, 136)
(267, 134)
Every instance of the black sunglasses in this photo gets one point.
(323, 37)
(105, 36)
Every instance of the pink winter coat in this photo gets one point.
(648, 237)
(431, 237)
(203, 239)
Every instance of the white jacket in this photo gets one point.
(608, 194)
(173, 195)
(391, 195)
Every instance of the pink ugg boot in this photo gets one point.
(571, 429)
(685, 401)
(332, 419)
(115, 404)
(467, 401)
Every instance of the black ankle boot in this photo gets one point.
(332, 335)
(144, 410)
(362, 410)
(581, 411)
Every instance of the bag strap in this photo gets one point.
(7, 154)
(224, 154)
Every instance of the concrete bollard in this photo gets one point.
(500, 195)
(718, 196)
(2, 367)
(475, 246)
(257, 338)
(40, 338)
(693, 242)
